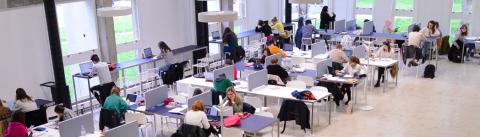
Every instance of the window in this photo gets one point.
(361, 17)
(365, 4)
(295, 11)
(240, 7)
(314, 12)
(404, 4)
(454, 25)
(130, 73)
(402, 23)
(457, 5)
(123, 25)
(213, 5)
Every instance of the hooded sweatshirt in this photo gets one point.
(16, 129)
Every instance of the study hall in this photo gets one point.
(239, 68)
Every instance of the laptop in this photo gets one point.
(132, 97)
(348, 52)
(86, 68)
(148, 53)
(216, 35)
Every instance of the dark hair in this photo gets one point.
(163, 47)
(308, 22)
(354, 59)
(434, 25)
(95, 58)
(228, 62)
(18, 116)
(366, 20)
(464, 33)
(227, 32)
(324, 10)
(59, 108)
(416, 28)
(197, 91)
(21, 95)
(386, 43)
(260, 22)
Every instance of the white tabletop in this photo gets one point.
(184, 84)
(378, 62)
(52, 131)
(282, 92)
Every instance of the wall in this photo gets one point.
(171, 21)
(25, 54)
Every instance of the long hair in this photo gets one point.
(227, 32)
(237, 97)
(386, 43)
(3, 109)
(463, 33)
(22, 95)
(324, 10)
(164, 47)
(434, 26)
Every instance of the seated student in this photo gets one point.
(64, 113)
(431, 29)
(275, 69)
(338, 57)
(197, 91)
(229, 62)
(16, 127)
(460, 37)
(197, 117)
(220, 85)
(414, 39)
(263, 27)
(23, 102)
(353, 68)
(234, 100)
(384, 52)
(274, 49)
(115, 102)
(308, 30)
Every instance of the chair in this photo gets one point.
(277, 79)
(306, 42)
(297, 84)
(36, 118)
(257, 103)
(50, 113)
(110, 119)
(264, 131)
(141, 120)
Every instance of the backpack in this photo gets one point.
(429, 71)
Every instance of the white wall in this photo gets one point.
(171, 21)
(25, 54)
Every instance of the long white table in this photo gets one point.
(51, 130)
(265, 91)
(383, 63)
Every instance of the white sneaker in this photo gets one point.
(348, 108)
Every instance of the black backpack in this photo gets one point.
(429, 71)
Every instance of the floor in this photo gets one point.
(446, 106)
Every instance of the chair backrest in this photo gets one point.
(360, 51)
(254, 101)
(309, 81)
(139, 117)
(297, 84)
(36, 118)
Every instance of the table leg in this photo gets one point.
(75, 92)
(154, 130)
(141, 80)
(463, 52)
(385, 77)
(311, 120)
(330, 103)
(278, 129)
(396, 78)
(124, 83)
(90, 95)
(265, 101)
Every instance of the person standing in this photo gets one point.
(103, 72)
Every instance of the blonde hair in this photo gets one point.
(237, 97)
(116, 90)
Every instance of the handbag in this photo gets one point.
(234, 120)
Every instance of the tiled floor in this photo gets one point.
(446, 106)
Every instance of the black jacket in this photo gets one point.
(295, 110)
(278, 70)
(325, 20)
(174, 73)
(189, 131)
(110, 119)
(265, 29)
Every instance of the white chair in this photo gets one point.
(264, 131)
(51, 113)
(141, 120)
(257, 103)
(297, 84)
(306, 42)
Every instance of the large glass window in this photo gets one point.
(402, 23)
(213, 5)
(123, 25)
(457, 5)
(404, 4)
(362, 17)
(454, 25)
(130, 73)
(365, 3)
